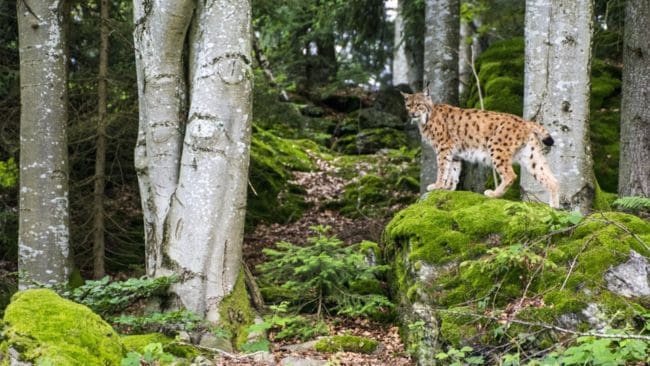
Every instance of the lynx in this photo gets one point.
(489, 138)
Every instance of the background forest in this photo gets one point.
(334, 242)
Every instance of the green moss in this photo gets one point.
(487, 252)
(456, 328)
(136, 343)
(236, 313)
(271, 196)
(370, 141)
(346, 343)
(393, 182)
(43, 327)
(447, 225)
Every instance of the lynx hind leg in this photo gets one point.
(534, 161)
(503, 165)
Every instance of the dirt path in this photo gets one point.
(323, 186)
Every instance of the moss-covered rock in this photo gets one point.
(271, 195)
(47, 329)
(346, 343)
(369, 141)
(390, 179)
(460, 255)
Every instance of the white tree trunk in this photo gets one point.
(161, 28)
(400, 63)
(634, 167)
(442, 18)
(43, 238)
(193, 163)
(556, 95)
(405, 66)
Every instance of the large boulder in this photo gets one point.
(42, 328)
(474, 271)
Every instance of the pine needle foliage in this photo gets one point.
(319, 277)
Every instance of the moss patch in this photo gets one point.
(271, 196)
(346, 343)
(378, 183)
(44, 327)
(369, 141)
(136, 343)
(472, 254)
(236, 313)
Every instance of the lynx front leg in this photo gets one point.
(444, 161)
(454, 175)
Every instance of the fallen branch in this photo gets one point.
(575, 260)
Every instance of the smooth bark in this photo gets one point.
(556, 95)
(43, 239)
(634, 167)
(193, 161)
(406, 68)
(442, 19)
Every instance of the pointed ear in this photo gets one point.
(427, 92)
(405, 95)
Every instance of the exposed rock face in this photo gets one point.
(467, 268)
(630, 279)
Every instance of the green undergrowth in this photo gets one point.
(346, 343)
(138, 343)
(49, 330)
(466, 255)
(377, 183)
(271, 195)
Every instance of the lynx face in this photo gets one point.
(490, 138)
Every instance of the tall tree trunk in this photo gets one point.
(400, 63)
(406, 67)
(197, 230)
(44, 250)
(634, 167)
(556, 95)
(100, 152)
(159, 35)
(442, 19)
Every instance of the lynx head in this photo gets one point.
(418, 106)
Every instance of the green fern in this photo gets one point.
(633, 203)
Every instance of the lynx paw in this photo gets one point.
(433, 187)
(490, 193)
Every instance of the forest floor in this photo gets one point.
(323, 186)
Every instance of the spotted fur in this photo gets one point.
(489, 138)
